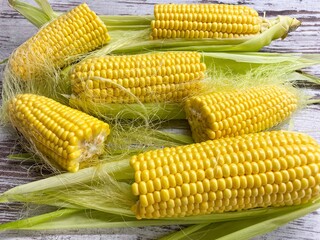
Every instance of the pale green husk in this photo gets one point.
(240, 225)
(243, 229)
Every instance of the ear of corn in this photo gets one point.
(204, 21)
(76, 32)
(288, 164)
(232, 174)
(237, 112)
(67, 137)
(146, 78)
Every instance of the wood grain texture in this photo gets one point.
(14, 30)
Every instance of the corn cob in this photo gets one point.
(256, 170)
(64, 135)
(156, 77)
(76, 32)
(237, 112)
(204, 21)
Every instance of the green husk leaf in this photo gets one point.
(241, 63)
(28, 223)
(300, 77)
(77, 219)
(35, 15)
(223, 227)
(128, 20)
(126, 140)
(150, 111)
(92, 188)
(80, 219)
(4, 61)
(21, 156)
(188, 231)
(63, 181)
(127, 23)
(244, 229)
(307, 77)
(176, 138)
(47, 9)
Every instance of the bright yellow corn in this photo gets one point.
(256, 170)
(67, 137)
(76, 32)
(204, 21)
(237, 112)
(156, 77)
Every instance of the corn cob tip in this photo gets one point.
(295, 23)
(65, 136)
(58, 43)
(237, 112)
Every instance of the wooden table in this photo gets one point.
(14, 30)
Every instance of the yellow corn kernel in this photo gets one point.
(76, 32)
(252, 110)
(232, 189)
(65, 136)
(204, 21)
(154, 77)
